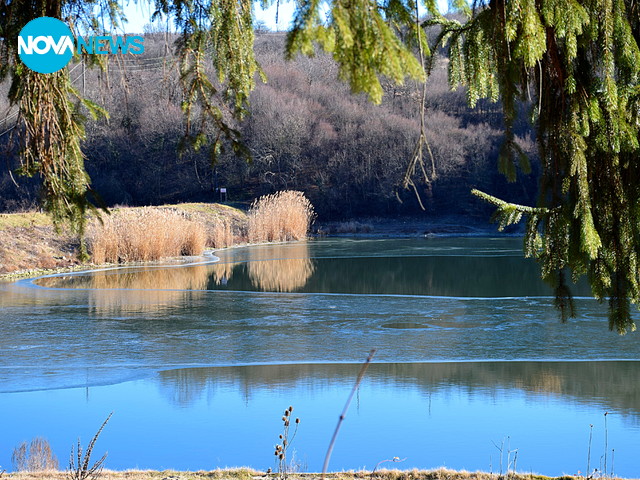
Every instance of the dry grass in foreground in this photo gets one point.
(248, 474)
(280, 217)
(145, 234)
(225, 225)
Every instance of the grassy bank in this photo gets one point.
(247, 474)
(30, 245)
(28, 241)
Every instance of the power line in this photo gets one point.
(80, 63)
(10, 117)
(7, 130)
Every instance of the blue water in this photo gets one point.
(198, 362)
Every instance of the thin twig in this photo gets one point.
(606, 442)
(589, 451)
(365, 365)
(394, 460)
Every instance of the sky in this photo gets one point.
(139, 13)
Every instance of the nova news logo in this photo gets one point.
(46, 45)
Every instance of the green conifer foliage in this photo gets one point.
(361, 36)
(579, 63)
(51, 115)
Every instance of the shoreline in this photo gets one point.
(57, 252)
(30, 246)
(250, 474)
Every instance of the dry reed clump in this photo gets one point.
(280, 217)
(221, 234)
(145, 234)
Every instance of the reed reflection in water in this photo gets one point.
(269, 271)
(221, 273)
(271, 268)
(275, 268)
(144, 289)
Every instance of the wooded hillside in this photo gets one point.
(305, 131)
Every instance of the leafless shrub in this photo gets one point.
(279, 217)
(353, 227)
(34, 456)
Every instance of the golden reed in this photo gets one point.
(145, 234)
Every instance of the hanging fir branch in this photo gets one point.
(361, 40)
(51, 117)
(583, 60)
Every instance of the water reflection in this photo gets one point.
(309, 268)
(273, 268)
(450, 414)
(610, 384)
(270, 272)
(304, 267)
(105, 328)
(457, 267)
(143, 289)
(221, 273)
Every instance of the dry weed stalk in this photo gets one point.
(146, 234)
(282, 448)
(394, 460)
(82, 470)
(280, 217)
